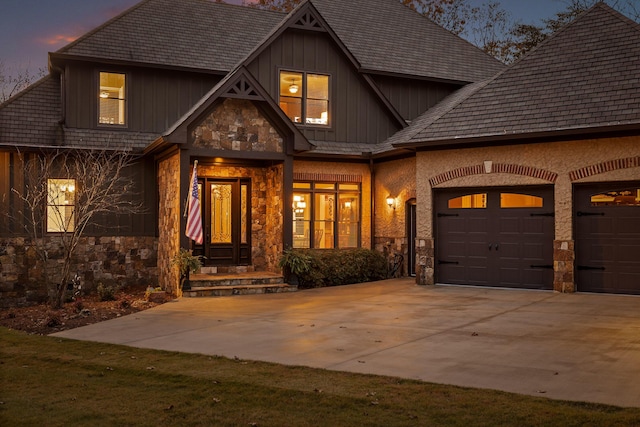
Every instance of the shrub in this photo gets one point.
(106, 293)
(333, 267)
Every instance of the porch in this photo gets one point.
(211, 283)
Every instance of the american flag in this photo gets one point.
(194, 218)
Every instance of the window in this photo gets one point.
(111, 99)
(471, 201)
(60, 205)
(514, 200)
(304, 97)
(326, 215)
(625, 197)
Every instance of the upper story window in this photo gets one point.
(304, 97)
(111, 99)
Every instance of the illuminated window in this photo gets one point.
(111, 99)
(512, 200)
(304, 97)
(470, 201)
(626, 197)
(61, 196)
(326, 215)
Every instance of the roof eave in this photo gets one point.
(58, 59)
(525, 137)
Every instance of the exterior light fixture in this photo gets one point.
(391, 202)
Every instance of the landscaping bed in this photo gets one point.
(41, 319)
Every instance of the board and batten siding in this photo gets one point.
(413, 97)
(155, 98)
(356, 114)
(142, 223)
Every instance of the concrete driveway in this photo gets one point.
(582, 347)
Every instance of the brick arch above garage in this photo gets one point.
(489, 168)
(604, 167)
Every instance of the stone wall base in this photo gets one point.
(112, 261)
(563, 262)
(390, 247)
(425, 261)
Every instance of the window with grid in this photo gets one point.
(304, 97)
(326, 215)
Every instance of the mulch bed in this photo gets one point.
(41, 319)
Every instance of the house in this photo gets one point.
(342, 125)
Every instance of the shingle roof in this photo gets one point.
(31, 117)
(197, 34)
(586, 76)
(386, 36)
(383, 35)
(31, 120)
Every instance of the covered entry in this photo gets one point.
(607, 225)
(495, 237)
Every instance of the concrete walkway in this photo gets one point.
(582, 347)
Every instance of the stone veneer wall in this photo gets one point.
(273, 243)
(560, 164)
(169, 222)
(237, 125)
(110, 260)
(266, 210)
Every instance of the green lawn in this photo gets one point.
(46, 381)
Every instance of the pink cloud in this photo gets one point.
(57, 39)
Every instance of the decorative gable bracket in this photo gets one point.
(243, 89)
(308, 21)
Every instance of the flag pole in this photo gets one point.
(186, 204)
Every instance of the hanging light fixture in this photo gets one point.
(293, 88)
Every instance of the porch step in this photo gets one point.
(248, 283)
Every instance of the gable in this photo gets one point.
(236, 125)
(359, 114)
(198, 124)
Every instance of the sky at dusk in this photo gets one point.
(31, 28)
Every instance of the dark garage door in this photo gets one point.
(607, 227)
(495, 237)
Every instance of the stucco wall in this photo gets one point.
(560, 164)
(396, 179)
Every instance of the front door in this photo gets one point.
(227, 222)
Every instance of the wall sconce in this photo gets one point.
(391, 202)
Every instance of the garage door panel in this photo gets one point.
(629, 227)
(534, 251)
(533, 225)
(502, 237)
(608, 237)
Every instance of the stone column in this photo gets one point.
(424, 262)
(563, 261)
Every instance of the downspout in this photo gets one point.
(372, 196)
